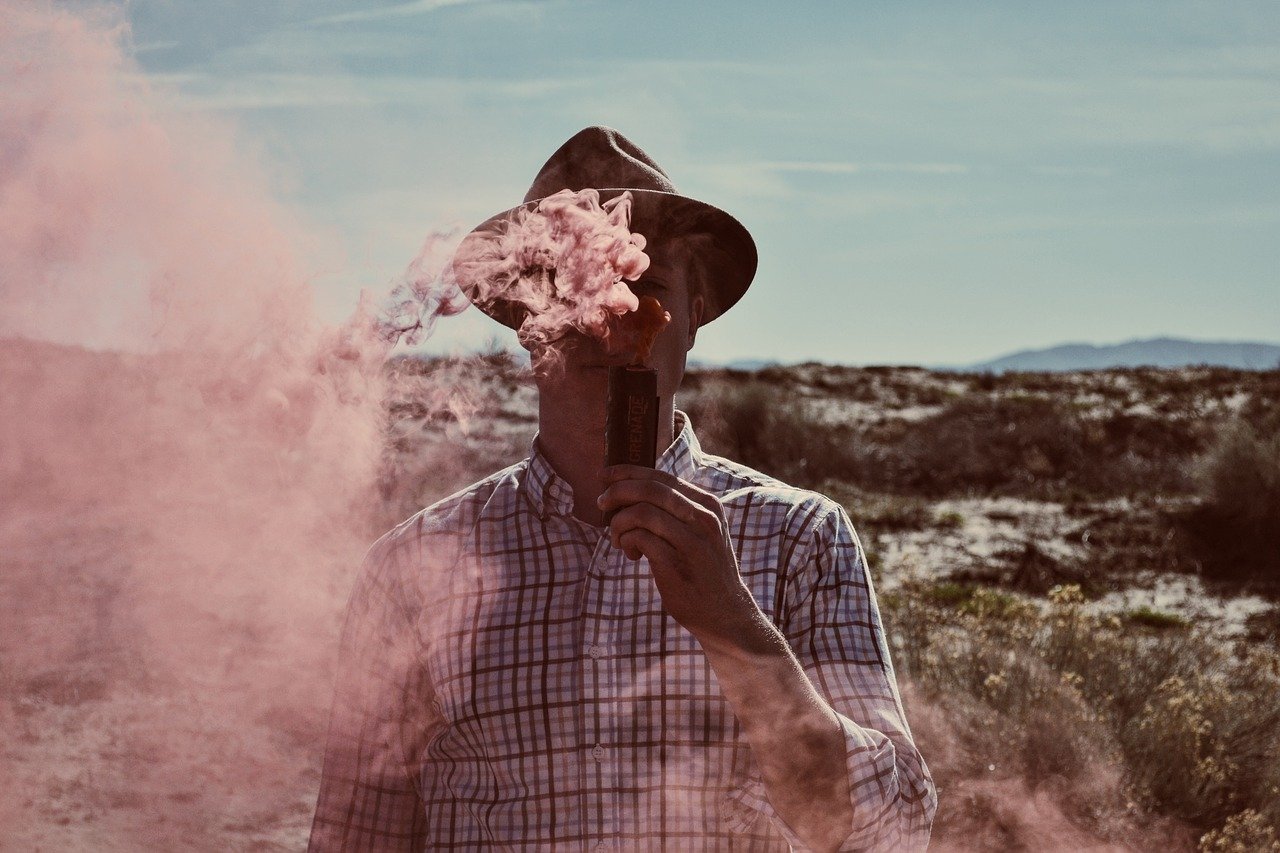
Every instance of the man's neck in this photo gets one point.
(571, 437)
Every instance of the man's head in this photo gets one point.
(675, 279)
(714, 249)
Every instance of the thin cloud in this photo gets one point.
(273, 91)
(1073, 171)
(399, 10)
(837, 167)
(153, 46)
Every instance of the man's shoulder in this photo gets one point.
(456, 515)
(741, 487)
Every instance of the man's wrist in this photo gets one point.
(746, 634)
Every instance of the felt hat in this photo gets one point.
(603, 159)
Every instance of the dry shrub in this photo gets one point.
(1123, 726)
(1025, 744)
(1236, 527)
(756, 424)
(1264, 627)
(1017, 434)
(1247, 832)
(1262, 409)
(1037, 446)
(990, 445)
(1242, 477)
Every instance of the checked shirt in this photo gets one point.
(509, 680)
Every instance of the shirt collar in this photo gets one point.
(550, 494)
(684, 457)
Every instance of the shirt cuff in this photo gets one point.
(863, 754)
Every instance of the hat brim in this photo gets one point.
(729, 255)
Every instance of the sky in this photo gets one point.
(926, 182)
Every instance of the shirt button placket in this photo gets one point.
(597, 681)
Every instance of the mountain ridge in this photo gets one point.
(1149, 352)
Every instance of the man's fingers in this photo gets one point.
(679, 541)
(622, 473)
(675, 503)
(613, 473)
(645, 516)
(638, 540)
(627, 492)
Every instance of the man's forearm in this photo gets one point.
(794, 734)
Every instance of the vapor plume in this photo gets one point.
(184, 511)
(557, 266)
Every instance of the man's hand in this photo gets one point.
(681, 529)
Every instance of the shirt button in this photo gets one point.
(603, 845)
(596, 652)
(597, 752)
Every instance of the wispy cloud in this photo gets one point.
(1073, 171)
(271, 91)
(1128, 146)
(837, 167)
(1230, 215)
(749, 186)
(153, 46)
(398, 10)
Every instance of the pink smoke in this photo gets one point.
(561, 265)
(183, 514)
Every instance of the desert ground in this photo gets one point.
(1078, 573)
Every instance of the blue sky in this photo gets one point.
(926, 182)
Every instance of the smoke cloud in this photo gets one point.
(184, 511)
(557, 267)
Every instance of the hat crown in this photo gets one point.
(598, 158)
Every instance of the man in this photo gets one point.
(707, 672)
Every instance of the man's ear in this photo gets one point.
(695, 320)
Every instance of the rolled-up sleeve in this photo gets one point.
(832, 622)
(368, 796)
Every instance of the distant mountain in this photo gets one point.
(1156, 352)
(735, 364)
